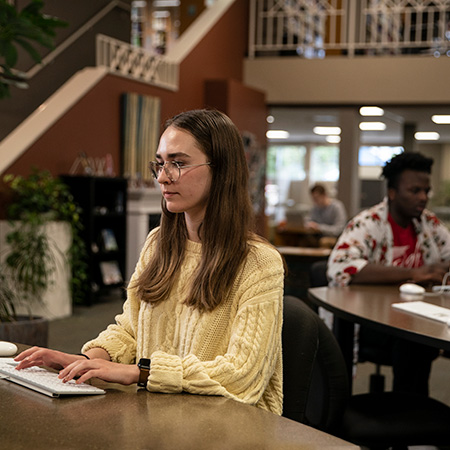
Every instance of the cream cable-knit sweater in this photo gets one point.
(232, 351)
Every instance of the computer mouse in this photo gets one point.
(411, 288)
(7, 348)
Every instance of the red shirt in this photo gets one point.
(406, 253)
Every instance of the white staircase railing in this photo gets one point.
(313, 28)
(137, 63)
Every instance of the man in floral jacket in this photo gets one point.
(397, 241)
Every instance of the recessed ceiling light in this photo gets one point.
(371, 111)
(277, 134)
(372, 126)
(327, 131)
(333, 139)
(426, 136)
(441, 119)
(270, 119)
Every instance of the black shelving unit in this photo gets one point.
(104, 204)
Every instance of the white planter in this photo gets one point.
(57, 300)
(141, 204)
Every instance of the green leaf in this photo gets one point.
(9, 52)
(24, 28)
(30, 49)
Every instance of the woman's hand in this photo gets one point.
(37, 356)
(102, 369)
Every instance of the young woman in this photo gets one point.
(204, 307)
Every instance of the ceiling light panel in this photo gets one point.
(372, 126)
(426, 136)
(277, 134)
(371, 111)
(441, 119)
(327, 131)
(333, 139)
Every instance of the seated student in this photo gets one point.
(397, 241)
(204, 305)
(328, 215)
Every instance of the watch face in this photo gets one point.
(144, 362)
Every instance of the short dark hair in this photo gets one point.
(319, 188)
(404, 161)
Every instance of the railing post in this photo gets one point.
(351, 34)
(252, 29)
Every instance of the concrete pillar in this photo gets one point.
(409, 142)
(349, 191)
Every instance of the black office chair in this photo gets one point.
(318, 274)
(299, 353)
(374, 420)
(368, 350)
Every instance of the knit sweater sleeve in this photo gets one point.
(253, 353)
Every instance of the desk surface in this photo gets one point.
(313, 252)
(372, 305)
(297, 236)
(125, 418)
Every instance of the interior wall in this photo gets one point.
(93, 125)
(77, 56)
(445, 166)
(434, 151)
(247, 107)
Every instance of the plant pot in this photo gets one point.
(27, 331)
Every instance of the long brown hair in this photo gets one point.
(226, 227)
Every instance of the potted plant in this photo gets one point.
(23, 29)
(32, 258)
(15, 328)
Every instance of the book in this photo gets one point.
(110, 272)
(109, 240)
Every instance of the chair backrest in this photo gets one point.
(329, 391)
(318, 274)
(316, 387)
(300, 340)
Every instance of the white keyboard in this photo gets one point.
(424, 309)
(44, 381)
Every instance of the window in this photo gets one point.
(324, 164)
(377, 155)
(285, 163)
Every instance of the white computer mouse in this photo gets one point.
(411, 288)
(7, 348)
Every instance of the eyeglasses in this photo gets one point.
(171, 168)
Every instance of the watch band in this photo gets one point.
(144, 371)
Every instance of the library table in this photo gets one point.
(371, 306)
(299, 261)
(127, 418)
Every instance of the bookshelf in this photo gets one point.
(104, 204)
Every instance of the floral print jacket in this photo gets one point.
(368, 238)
